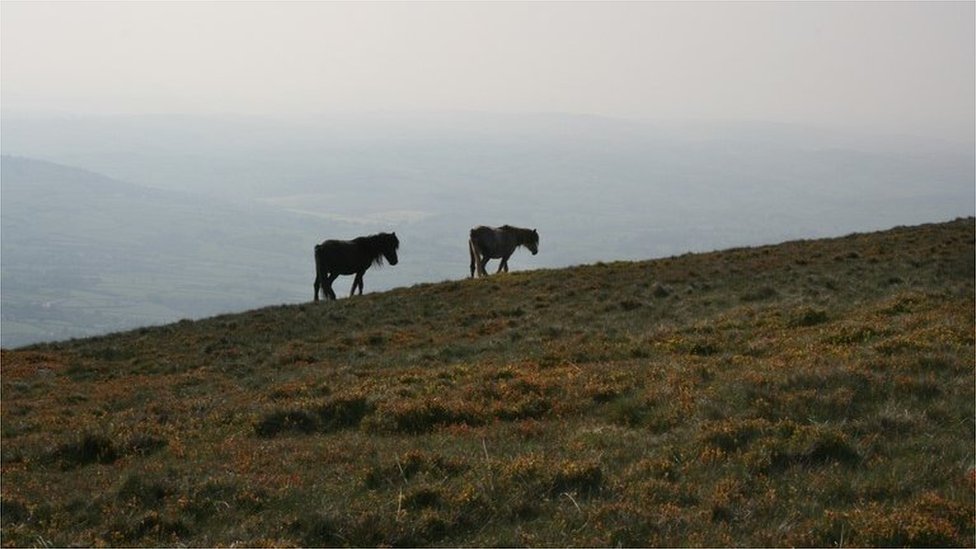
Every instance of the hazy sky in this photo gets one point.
(886, 67)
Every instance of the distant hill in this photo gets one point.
(812, 393)
(84, 254)
(597, 188)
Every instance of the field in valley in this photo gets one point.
(813, 393)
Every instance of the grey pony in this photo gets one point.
(498, 243)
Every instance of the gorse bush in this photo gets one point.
(331, 415)
(89, 448)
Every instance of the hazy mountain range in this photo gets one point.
(116, 222)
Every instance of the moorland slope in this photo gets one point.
(810, 393)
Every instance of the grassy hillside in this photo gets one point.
(811, 393)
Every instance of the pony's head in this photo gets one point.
(389, 245)
(532, 241)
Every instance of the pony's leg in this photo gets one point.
(358, 281)
(482, 266)
(471, 253)
(316, 287)
(330, 293)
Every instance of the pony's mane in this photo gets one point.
(377, 244)
(524, 235)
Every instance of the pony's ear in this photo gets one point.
(535, 232)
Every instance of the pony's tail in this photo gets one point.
(474, 254)
(319, 279)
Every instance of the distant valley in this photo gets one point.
(84, 254)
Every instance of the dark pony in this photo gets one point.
(346, 257)
(498, 243)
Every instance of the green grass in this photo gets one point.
(815, 393)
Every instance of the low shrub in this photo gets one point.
(144, 445)
(805, 446)
(403, 468)
(759, 294)
(583, 478)
(342, 412)
(732, 435)
(150, 525)
(88, 448)
(13, 511)
(147, 493)
(929, 521)
(319, 530)
(333, 415)
(807, 316)
(289, 421)
(628, 411)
